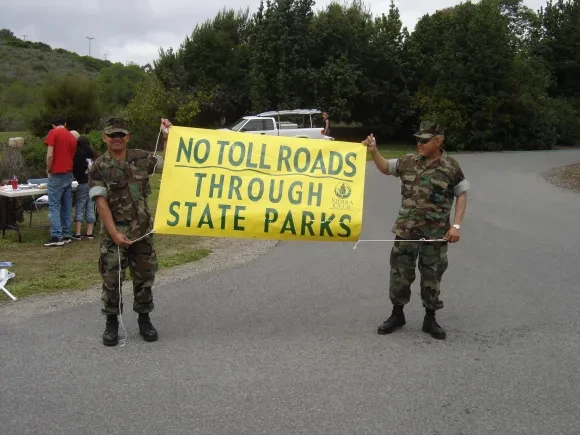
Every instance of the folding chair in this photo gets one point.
(4, 277)
(42, 201)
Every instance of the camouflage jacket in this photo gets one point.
(427, 193)
(126, 187)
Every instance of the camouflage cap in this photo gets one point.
(428, 129)
(114, 125)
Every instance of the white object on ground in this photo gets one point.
(4, 277)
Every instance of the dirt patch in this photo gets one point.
(567, 177)
(225, 253)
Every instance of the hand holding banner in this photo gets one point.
(224, 184)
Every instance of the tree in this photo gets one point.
(339, 50)
(385, 97)
(470, 74)
(74, 96)
(560, 40)
(118, 85)
(153, 102)
(150, 103)
(213, 62)
(6, 34)
(279, 40)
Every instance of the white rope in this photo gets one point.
(142, 237)
(120, 315)
(400, 240)
(155, 152)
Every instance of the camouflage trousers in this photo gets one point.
(141, 259)
(432, 264)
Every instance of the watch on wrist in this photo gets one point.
(457, 226)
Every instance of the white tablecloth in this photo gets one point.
(9, 192)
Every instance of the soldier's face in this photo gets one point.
(116, 141)
(428, 147)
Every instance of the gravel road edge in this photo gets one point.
(566, 177)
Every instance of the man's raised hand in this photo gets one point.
(165, 126)
(370, 142)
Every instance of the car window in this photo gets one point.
(259, 125)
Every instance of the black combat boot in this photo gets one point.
(396, 320)
(430, 325)
(111, 334)
(146, 329)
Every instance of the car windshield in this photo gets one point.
(237, 125)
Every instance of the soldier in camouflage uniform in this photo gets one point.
(431, 181)
(119, 183)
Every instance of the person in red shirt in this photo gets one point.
(61, 148)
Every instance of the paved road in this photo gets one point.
(287, 343)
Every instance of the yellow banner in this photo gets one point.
(225, 184)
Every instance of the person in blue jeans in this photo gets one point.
(61, 146)
(84, 206)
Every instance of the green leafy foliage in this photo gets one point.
(34, 155)
(117, 86)
(474, 75)
(567, 116)
(560, 39)
(150, 104)
(210, 70)
(96, 140)
(279, 42)
(74, 96)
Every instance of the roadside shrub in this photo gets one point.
(76, 97)
(568, 118)
(34, 157)
(96, 141)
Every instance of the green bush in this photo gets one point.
(96, 140)
(76, 97)
(568, 119)
(34, 155)
(17, 43)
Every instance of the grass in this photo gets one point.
(74, 266)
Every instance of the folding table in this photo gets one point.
(7, 193)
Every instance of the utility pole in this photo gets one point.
(106, 52)
(89, 38)
(24, 36)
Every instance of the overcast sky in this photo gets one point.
(133, 30)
